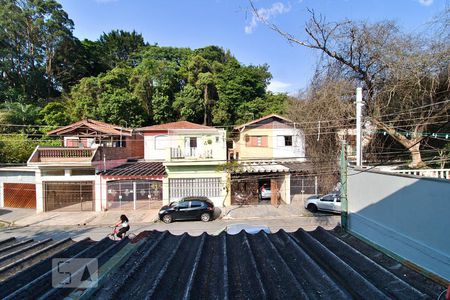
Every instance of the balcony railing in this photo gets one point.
(65, 153)
(190, 153)
(435, 173)
(62, 154)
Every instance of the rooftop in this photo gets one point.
(271, 116)
(175, 125)
(159, 265)
(98, 126)
(137, 169)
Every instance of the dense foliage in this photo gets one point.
(49, 78)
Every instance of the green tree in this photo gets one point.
(108, 97)
(237, 85)
(55, 114)
(17, 113)
(17, 148)
(118, 46)
(189, 104)
(31, 33)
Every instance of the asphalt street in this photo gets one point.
(191, 227)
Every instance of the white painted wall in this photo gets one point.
(155, 147)
(296, 151)
(407, 215)
(158, 147)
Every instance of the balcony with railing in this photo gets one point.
(62, 154)
(190, 153)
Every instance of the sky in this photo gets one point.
(231, 25)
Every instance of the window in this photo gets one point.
(195, 204)
(83, 172)
(185, 187)
(161, 142)
(59, 172)
(327, 198)
(193, 142)
(288, 140)
(183, 205)
(256, 141)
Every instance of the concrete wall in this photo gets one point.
(158, 145)
(297, 150)
(407, 215)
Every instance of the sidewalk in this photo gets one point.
(20, 217)
(295, 209)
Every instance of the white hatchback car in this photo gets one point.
(329, 202)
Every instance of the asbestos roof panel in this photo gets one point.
(137, 169)
(260, 167)
(298, 265)
(158, 265)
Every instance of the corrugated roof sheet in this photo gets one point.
(137, 169)
(299, 265)
(175, 125)
(299, 167)
(260, 167)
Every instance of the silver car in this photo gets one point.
(329, 202)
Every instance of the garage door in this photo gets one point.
(69, 196)
(19, 195)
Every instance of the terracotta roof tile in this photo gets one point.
(94, 125)
(175, 125)
(262, 119)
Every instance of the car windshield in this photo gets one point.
(173, 204)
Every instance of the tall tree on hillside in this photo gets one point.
(108, 97)
(118, 46)
(203, 67)
(31, 32)
(405, 77)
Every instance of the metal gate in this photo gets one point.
(69, 196)
(19, 195)
(134, 194)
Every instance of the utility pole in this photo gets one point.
(359, 105)
(343, 191)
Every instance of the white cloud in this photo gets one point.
(265, 14)
(426, 2)
(277, 86)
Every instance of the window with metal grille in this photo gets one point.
(184, 187)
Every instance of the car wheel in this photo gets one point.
(205, 217)
(167, 219)
(312, 208)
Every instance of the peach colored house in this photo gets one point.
(264, 151)
(272, 137)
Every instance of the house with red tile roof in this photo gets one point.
(191, 154)
(64, 177)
